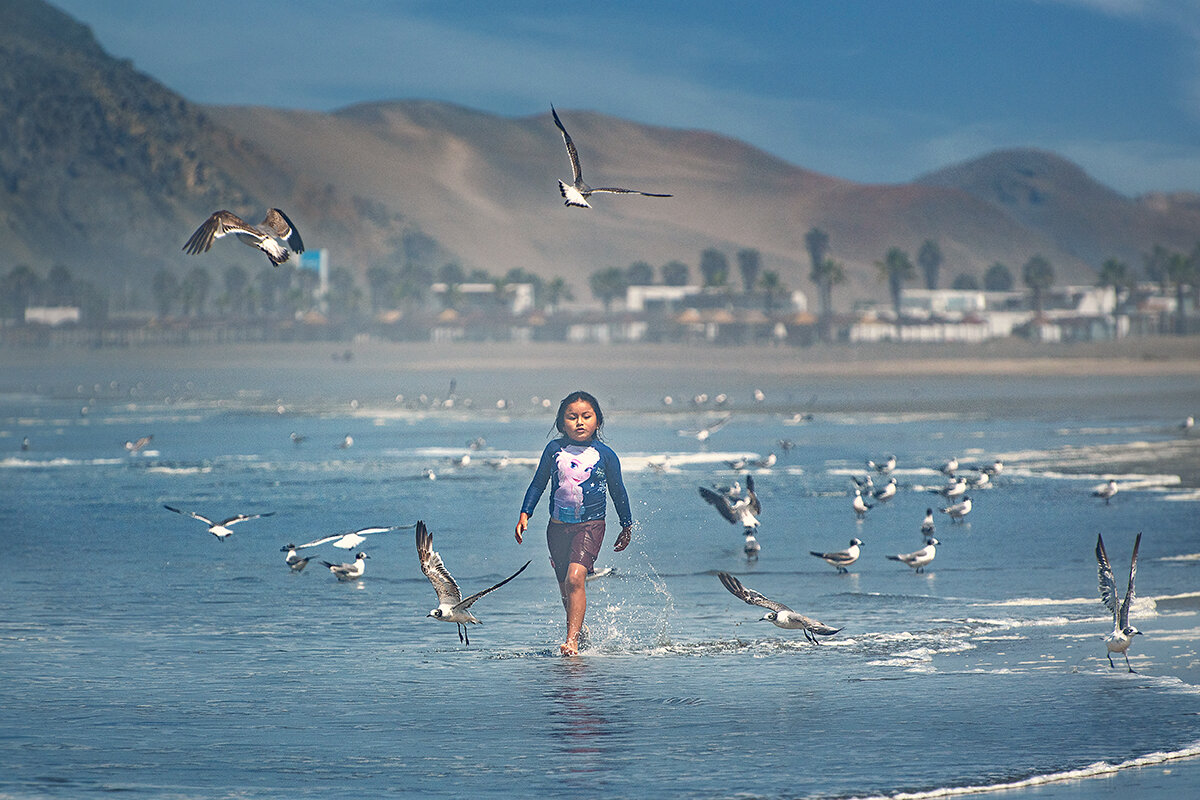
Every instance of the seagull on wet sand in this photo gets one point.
(349, 572)
(777, 613)
(883, 467)
(219, 529)
(275, 226)
(927, 523)
(1106, 491)
(918, 559)
(451, 605)
(294, 559)
(351, 540)
(887, 492)
(958, 510)
(841, 558)
(860, 506)
(950, 467)
(1122, 633)
(577, 192)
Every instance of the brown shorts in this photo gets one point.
(574, 543)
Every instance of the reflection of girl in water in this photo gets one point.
(582, 471)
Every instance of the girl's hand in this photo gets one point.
(623, 540)
(522, 525)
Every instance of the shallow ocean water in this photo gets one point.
(139, 654)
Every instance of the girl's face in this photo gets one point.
(579, 420)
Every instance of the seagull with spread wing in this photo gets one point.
(577, 192)
(451, 605)
(777, 613)
(742, 509)
(218, 529)
(351, 540)
(275, 226)
(1122, 633)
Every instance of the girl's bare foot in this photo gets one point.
(569, 648)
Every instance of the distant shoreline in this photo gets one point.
(1148, 357)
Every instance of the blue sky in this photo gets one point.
(876, 92)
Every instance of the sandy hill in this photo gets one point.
(106, 171)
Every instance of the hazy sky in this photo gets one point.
(877, 92)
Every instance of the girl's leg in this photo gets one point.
(574, 596)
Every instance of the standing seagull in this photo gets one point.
(293, 559)
(842, 558)
(860, 506)
(451, 605)
(918, 559)
(1122, 633)
(1107, 491)
(349, 572)
(927, 523)
(777, 613)
(274, 226)
(958, 510)
(219, 529)
(887, 492)
(578, 192)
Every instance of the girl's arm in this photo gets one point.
(541, 477)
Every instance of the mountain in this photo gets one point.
(106, 171)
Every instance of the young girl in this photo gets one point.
(584, 471)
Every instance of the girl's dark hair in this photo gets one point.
(561, 426)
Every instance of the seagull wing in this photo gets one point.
(755, 506)
(721, 503)
(1108, 587)
(431, 564)
(571, 151)
(840, 557)
(749, 595)
(617, 190)
(465, 604)
(243, 517)
(278, 222)
(192, 514)
(1123, 619)
(320, 541)
(216, 226)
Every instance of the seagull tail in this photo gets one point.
(893, 558)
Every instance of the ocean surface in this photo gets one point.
(139, 655)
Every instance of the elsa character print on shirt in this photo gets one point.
(575, 463)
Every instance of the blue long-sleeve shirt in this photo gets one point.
(581, 477)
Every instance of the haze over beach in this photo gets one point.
(742, 328)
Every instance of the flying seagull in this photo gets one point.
(578, 192)
(743, 509)
(1122, 633)
(274, 226)
(920, 558)
(777, 613)
(349, 572)
(349, 541)
(219, 529)
(841, 558)
(451, 605)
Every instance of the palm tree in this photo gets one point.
(1181, 272)
(639, 273)
(773, 289)
(749, 265)
(236, 281)
(19, 290)
(1038, 275)
(1156, 262)
(930, 259)
(607, 285)
(816, 241)
(194, 290)
(896, 268)
(998, 278)
(965, 282)
(1113, 272)
(165, 288)
(714, 266)
(379, 284)
(556, 291)
(676, 273)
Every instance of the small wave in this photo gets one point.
(165, 470)
(14, 462)
(1096, 770)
